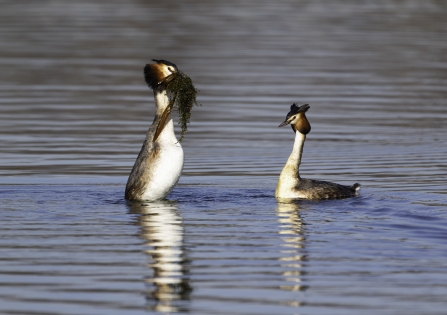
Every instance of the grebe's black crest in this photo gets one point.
(164, 75)
(295, 109)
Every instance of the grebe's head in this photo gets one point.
(157, 75)
(164, 76)
(297, 119)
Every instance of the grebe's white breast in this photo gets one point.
(166, 165)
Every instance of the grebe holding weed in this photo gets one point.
(160, 162)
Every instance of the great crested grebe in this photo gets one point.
(160, 161)
(290, 184)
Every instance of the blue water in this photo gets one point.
(74, 110)
(219, 250)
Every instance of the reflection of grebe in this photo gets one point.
(291, 230)
(160, 162)
(162, 231)
(290, 184)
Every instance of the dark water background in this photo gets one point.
(74, 110)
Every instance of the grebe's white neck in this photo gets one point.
(162, 129)
(161, 102)
(290, 175)
(297, 151)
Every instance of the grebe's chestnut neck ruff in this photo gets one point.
(160, 162)
(290, 184)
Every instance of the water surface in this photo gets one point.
(74, 110)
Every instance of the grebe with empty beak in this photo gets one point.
(160, 162)
(290, 184)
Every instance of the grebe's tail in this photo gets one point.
(356, 187)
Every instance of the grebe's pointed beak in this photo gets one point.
(285, 123)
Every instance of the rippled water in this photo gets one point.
(74, 110)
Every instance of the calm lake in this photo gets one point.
(74, 110)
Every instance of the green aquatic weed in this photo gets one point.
(182, 94)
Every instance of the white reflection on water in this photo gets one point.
(292, 234)
(162, 231)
